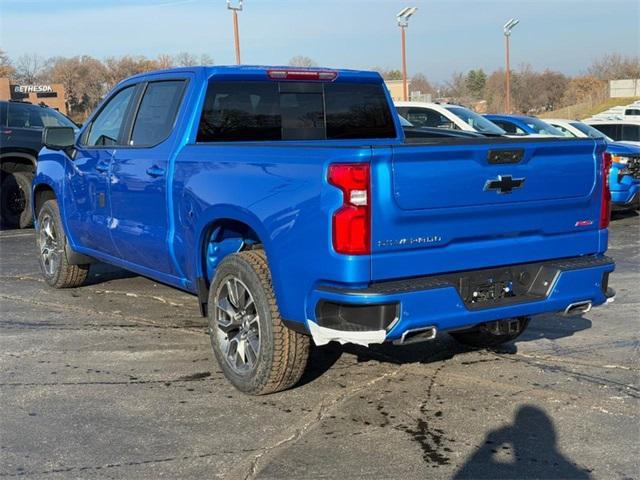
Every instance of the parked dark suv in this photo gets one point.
(21, 125)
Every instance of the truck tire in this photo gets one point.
(15, 209)
(256, 351)
(491, 334)
(52, 243)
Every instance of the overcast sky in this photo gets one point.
(444, 36)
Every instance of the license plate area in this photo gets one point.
(505, 285)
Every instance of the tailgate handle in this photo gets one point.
(500, 157)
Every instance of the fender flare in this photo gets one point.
(225, 212)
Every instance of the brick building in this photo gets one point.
(52, 95)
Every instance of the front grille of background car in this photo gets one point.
(634, 166)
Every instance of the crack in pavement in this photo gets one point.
(84, 310)
(249, 468)
(21, 473)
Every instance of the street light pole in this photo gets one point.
(403, 23)
(236, 36)
(507, 34)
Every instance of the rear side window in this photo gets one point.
(261, 111)
(357, 111)
(631, 133)
(24, 115)
(610, 130)
(157, 112)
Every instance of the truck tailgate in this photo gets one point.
(458, 206)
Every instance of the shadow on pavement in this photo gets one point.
(525, 450)
(551, 327)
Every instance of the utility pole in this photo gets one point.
(507, 34)
(403, 22)
(236, 35)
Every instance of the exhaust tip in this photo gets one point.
(417, 335)
(577, 308)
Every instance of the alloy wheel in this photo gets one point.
(238, 323)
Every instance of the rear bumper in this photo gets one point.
(446, 301)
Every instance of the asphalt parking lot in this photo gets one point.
(116, 380)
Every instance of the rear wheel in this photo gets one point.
(256, 351)
(52, 243)
(492, 334)
(15, 200)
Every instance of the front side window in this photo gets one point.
(105, 130)
(157, 112)
(271, 111)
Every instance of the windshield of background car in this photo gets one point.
(542, 128)
(53, 118)
(590, 131)
(404, 122)
(476, 121)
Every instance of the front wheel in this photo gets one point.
(492, 334)
(15, 200)
(256, 351)
(52, 243)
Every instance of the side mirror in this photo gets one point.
(58, 138)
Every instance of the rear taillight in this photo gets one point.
(352, 221)
(605, 206)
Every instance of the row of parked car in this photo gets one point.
(622, 136)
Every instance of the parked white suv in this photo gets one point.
(444, 115)
(619, 130)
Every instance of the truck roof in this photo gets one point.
(260, 70)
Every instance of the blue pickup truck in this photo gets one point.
(289, 201)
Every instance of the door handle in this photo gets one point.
(102, 167)
(155, 171)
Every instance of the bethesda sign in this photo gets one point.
(32, 88)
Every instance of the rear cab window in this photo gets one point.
(292, 110)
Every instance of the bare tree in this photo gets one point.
(83, 79)
(6, 68)
(302, 61)
(419, 83)
(185, 59)
(164, 61)
(388, 74)
(615, 67)
(119, 68)
(29, 68)
(586, 88)
(206, 59)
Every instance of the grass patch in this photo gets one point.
(585, 110)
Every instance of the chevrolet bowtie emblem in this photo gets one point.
(504, 184)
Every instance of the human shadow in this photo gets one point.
(525, 450)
